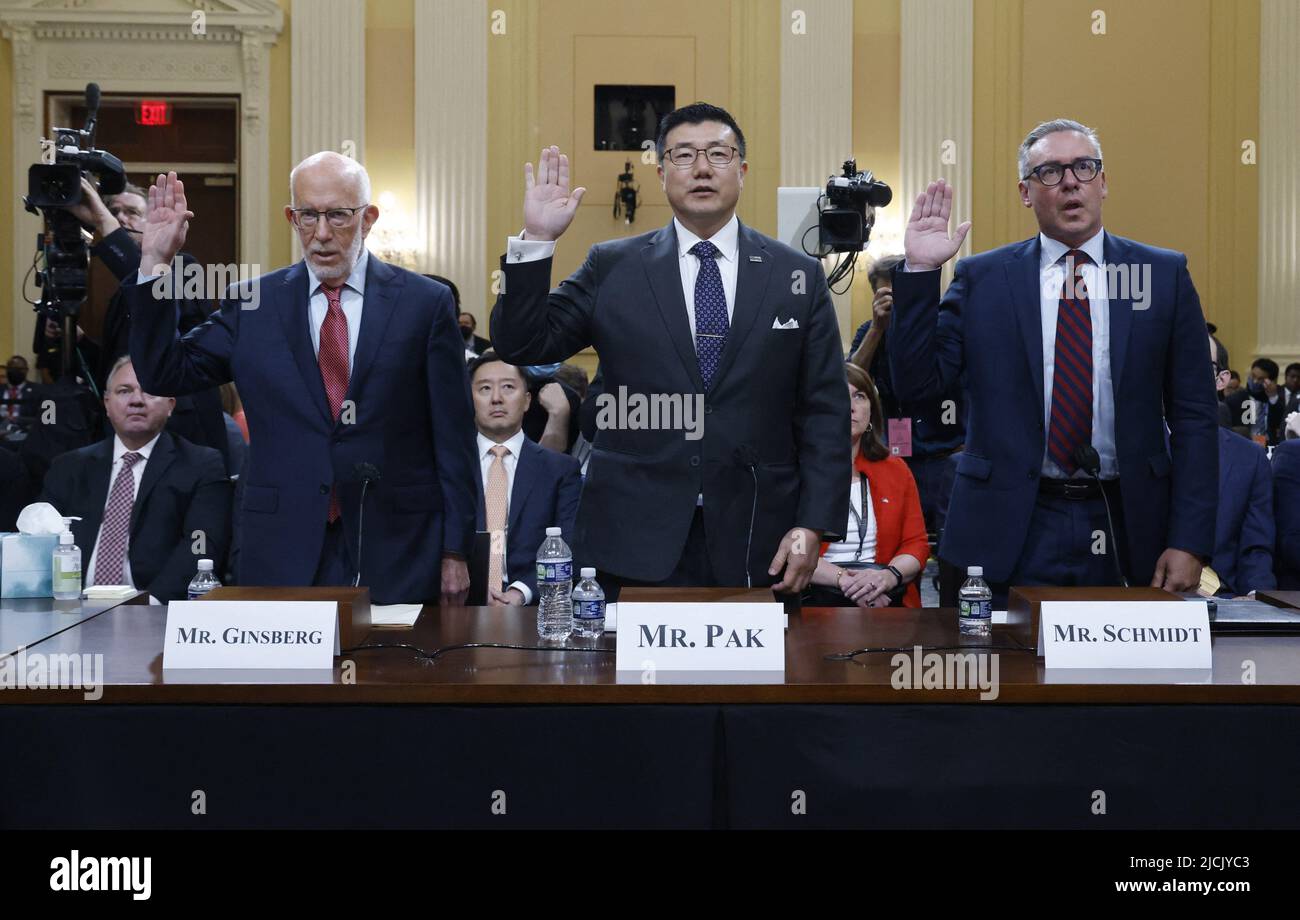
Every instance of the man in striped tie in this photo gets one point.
(1091, 456)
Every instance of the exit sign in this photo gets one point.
(153, 112)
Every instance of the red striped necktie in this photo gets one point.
(333, 360)
(1071, 422)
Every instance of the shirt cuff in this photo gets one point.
(519, 249)
(524, 590)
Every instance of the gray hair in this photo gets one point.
(117, 366)
(348, 166)
(1052, 127)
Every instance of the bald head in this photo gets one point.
(342, 173)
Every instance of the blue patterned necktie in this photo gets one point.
(710, 311)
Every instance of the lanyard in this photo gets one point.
(859, 518)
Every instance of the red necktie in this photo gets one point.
(1071, 422)
(333, 360)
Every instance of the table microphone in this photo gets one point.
(1086, 456)
(367, 473)
(746, 457)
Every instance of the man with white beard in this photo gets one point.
(352, 376)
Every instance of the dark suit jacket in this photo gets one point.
(410, 417)
(1244, 533)
(544, 494)
(779, 399)
(198, 417)
(184, 489)
(1286, 507)
(989, 326)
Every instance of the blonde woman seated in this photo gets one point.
(885, 545)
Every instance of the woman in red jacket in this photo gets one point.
(885, 523)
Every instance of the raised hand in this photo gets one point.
(926, 242)
(549, 206)
(166, 223)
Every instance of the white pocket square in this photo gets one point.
(791, 323)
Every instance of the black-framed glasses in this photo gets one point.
(338, 218)
(1085, 169)
(684, 157)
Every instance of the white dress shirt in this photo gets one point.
(514, 444)
(137, 471)
(844, 550)
(350, 299)
(1052, 278)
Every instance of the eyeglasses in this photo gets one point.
(1085, 169)
(717, 155)
(338, 218)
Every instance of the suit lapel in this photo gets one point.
(751, 288)
(660, 260)
(1114, 251)
(526, 470)
(382, 285)
(97, 497)
(294, 315)
(1023, 279)
(164, 453)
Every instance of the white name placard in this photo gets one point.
(1124, 634)
(251, 634)
(700, 637)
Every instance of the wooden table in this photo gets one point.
(571, 745)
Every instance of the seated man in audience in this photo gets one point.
(1286, 504)
(524, 489)
(1243, 533)
(151, 504)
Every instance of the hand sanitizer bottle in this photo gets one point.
(67, 565)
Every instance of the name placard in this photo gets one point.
(251, 634)
(1124, 634)
(700, 637)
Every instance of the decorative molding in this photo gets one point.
(450, 140)
(936, 127)
(817, 101)
(1279, 185)
(152, 47)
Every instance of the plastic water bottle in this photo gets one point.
(975, 604)
(554, 587)
(67, 568)
(203, 582)
(588, 606)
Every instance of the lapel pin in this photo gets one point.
(756, 258)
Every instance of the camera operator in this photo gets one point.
(117, 224)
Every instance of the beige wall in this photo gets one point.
(1172, 88)
(877, 48)
(8, 205)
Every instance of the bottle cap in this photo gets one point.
(974, 571)
(65, 538)
(587, 572)
(553, 531)
(205, 565)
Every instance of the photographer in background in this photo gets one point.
(117, 224)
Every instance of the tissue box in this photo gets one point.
(27, 564)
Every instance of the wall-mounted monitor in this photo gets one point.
(626, 116)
